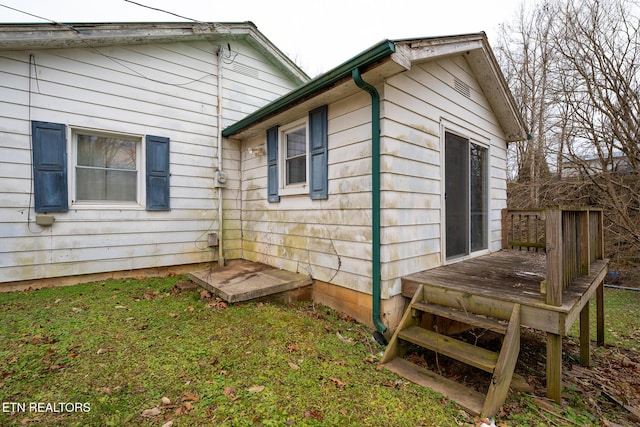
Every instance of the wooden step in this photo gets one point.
(466, 397)
(474, 320)
(470, 354)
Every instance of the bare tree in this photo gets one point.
(599, 59)
(574, 68)
(525, 53)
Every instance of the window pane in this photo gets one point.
(478, 195)
(296, 143)
(101, 185)
(106, 169)
(297, 170)
(106, 152)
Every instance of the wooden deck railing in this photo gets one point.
(523, 229)
(571, 237)
(574, 241)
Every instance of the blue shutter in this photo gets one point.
(49, 167)
(318, 148)
(157, 173)
(272, 164)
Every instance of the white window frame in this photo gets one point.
(298, 188)
(474, 136)
(73, 163)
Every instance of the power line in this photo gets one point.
(77, 33)
(163, 11)
(30, 14)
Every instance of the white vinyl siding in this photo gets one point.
(418, 105)
(331, 240)
(327, 239)
(167, 89)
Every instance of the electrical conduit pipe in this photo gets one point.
(219, 123)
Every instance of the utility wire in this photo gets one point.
(30, 14)
(77, 33)
(164, 11)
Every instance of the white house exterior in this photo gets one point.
(98, 108)
(446, 116)
(128, 146)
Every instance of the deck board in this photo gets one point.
(509, 277)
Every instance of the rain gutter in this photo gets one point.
(376, 53)
(375, 197)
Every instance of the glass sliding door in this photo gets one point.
(478, 197)
(466, 196)
(456, 195)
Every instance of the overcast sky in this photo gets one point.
(317, 35)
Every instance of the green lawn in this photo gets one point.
(139, 352)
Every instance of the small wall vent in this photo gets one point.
(462, 87)
(247, 71)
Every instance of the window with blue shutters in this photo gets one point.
(102, 169)
(297, 157)
(49, 167)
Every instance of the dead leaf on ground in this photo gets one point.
(174, 315)
(313, 414)
(218, 304)
(205, 295)
(294, 366)
(256, 389)
(165, 401)
(343, 339)
(338, 383)
(151, 412)
(292, 347)
(190, 397)
(168, 423)
(190, 309)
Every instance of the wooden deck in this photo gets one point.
(545, 281)
(491, 284)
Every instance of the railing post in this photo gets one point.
(555, 277)
(555, 274)
(584, 242)
(600, 234)
(505, 231)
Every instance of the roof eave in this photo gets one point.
(484, 64)
(375, 54)
(69, 35)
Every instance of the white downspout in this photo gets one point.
(220, 224)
